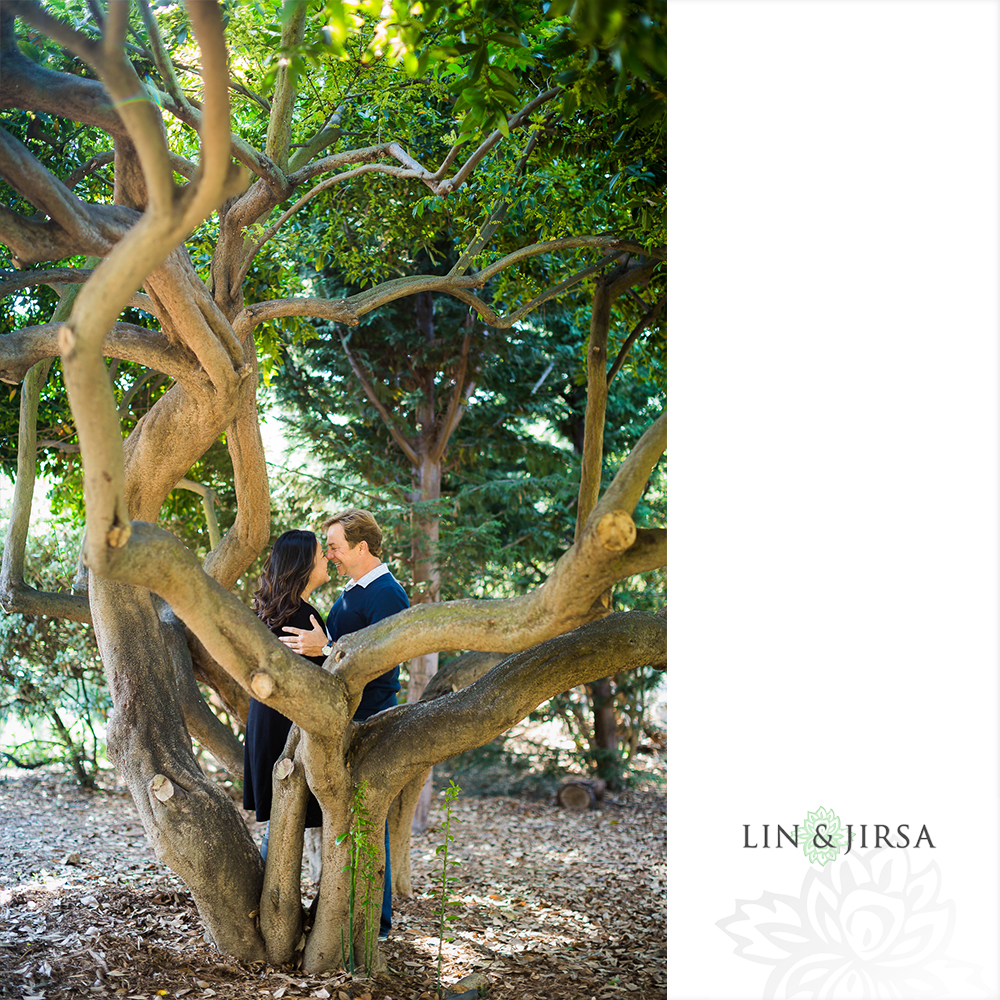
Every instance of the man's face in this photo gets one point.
(346, 559)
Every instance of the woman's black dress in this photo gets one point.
(267, 731)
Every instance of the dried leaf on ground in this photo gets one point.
(552, 905)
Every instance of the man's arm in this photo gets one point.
(306, 642)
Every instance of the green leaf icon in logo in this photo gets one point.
(824, 836)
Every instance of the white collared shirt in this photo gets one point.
(373, 574)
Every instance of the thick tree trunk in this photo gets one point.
(149, 743)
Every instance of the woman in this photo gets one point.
(295, 568)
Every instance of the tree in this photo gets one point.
(437, 404)
(51, 676)
(162, 616)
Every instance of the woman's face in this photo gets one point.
(320, 571)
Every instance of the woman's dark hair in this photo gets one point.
(285, 576)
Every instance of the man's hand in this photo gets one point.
(306, 642)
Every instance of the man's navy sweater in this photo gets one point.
(356, 608)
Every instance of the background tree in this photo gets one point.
(52, 680)
(160, 614)
(369, 407)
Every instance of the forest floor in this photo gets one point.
(553, 904)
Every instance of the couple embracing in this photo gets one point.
(297, 565)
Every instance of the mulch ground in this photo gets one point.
(553, 905)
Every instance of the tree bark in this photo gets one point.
(604, 741)
(148, 741)
(426, 590)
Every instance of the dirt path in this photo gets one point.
(554, 905)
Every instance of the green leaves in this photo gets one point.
(361, 866)
(443, 877)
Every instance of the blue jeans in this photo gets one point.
(385, 920)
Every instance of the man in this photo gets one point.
(354, 545)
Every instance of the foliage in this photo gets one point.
(443, 877)
(362, 868)
(485, 52)
(509, 481)
(53, 681)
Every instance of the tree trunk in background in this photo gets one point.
(604, 741)
(604, 738)
(426, 590)
(425, 536)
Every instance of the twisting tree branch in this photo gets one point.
(94, 163)
(353, 156)
(163, 225)
(80, 221)
(631, 478)
(24, 348)
(424, 733)
(432, 180)
(14, 281)
(161, 57)
(15, 594)
(348, 310)
(209, 501)
(249, 533)
(279, 125)
(77, 42)
(255, 161)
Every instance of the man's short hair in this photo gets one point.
(359, 526)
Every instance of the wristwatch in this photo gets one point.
(327, 649)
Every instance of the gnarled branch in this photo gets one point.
(24, 348)
(567, 599)
(456, 721)
(349, 309)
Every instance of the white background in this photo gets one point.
(834, 280)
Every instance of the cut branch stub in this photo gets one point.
(119, 533)
(161, 787)
(262, 685)
(616, 530)
(66, 339)
(284, 768)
